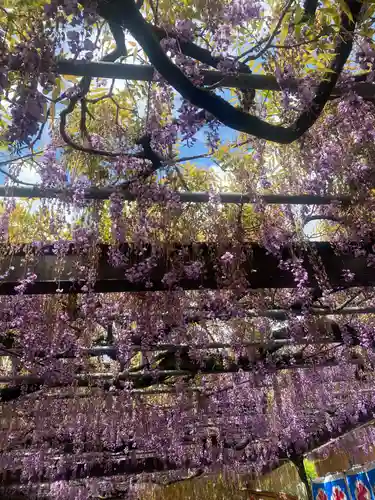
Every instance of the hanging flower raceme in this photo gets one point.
(183, 363)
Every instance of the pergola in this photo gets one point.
(172, 362)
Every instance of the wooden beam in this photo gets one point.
(96, 468)
(146, 73)
(114, 466)
(185, 196)
(28, 384)
(259, 267)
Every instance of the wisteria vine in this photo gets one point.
(238, 342)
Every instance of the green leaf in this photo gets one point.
(298, 14)
(57, 89)
(310, 469)
(346, 9)
(283, 34)
(55, 94)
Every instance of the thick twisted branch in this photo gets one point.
(83, 89)
(129, 16)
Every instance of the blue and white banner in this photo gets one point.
(331, 487)
(359, 484)
(370, 469)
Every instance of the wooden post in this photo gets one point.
(298, 463)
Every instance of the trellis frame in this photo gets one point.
(241, 81)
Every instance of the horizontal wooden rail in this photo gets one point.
(260, 268)
(142, 379)
(115, 466)
(72, 394)
(235, 80)
(185, 196)
(107, 350)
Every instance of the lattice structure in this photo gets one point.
(176, 377)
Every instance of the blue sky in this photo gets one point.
(44, 140)
(199, 147)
